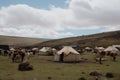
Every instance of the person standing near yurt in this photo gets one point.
(61, 56)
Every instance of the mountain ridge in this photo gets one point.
(100, 39)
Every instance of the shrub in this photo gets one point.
(95, 73)
(83, 72)
(82, 78)
(118, 77)
(49, 78)
(107, 65)
(109, 75)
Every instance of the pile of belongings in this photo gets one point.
(25, 66)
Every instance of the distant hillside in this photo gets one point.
(100, 39)
(19, 41)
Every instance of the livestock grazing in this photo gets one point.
(102, 53)
(10, 54)
(18, 56)
(80, 51)
(113, 55)
(28, 54)
(14, 56)
(100, 56)
(95, 51)
(22, 56)
(1, 51)
(5, 52)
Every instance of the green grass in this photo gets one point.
(44, 67)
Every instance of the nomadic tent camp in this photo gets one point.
(111, 49)
(118, 46)
(34, 49)
(88, 49)
(44, 50)
(100, 48)
(12, 49)
(67, 54)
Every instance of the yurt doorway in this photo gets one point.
(61, 57)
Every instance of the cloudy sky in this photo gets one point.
(58, 18)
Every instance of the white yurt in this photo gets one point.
(116, 46)
(111, 49)
(88, 49)
(100, 48)
(44, 50)
(67, 54)
(12, 49)
(34, 49)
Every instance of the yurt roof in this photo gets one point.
(44, 49)
(67, 50)
(100, 48)
(110, 48)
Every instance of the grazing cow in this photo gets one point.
(18, 56)
(22, 54)
(100, 57)
(113, 55)
(28, 54)
(15, 56)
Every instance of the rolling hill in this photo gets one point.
(100, 39)
(19, 41)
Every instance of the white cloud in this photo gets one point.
(93, 13)
(111, 28)
(34, 32)
(23, 20)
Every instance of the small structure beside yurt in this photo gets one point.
(67, 54)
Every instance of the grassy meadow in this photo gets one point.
(46, 69)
